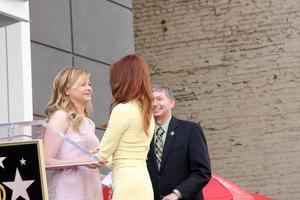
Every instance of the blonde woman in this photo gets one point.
(67, 112)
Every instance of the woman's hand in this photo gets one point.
(95, 151)
(96, 165)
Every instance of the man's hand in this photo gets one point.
(171, 196)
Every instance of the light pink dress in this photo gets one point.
(77, 183)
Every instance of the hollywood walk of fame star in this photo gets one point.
(23, 162)
(1, 162)
(18, 186)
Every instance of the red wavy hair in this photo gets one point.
(129, 80)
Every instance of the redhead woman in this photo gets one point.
(129, 130)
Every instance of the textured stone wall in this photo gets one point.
(235, 68)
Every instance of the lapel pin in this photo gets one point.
(172, 133)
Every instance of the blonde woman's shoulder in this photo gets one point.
(61, 114)
(60, 119)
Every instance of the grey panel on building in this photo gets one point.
(51, 23)
(46, 62)
(108, 27)
(126, 3)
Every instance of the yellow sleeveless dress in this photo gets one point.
(127, 144)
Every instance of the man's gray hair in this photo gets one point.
(167, 90)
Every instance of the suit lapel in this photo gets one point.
(152, 156)
(170, 137)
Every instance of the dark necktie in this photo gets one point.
(159, 145)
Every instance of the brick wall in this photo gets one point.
(235, 68)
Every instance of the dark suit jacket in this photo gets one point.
(185, 162)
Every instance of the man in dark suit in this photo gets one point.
(178, 160)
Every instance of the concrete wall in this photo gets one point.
(90, 34)
(15, 62)
(235, 68)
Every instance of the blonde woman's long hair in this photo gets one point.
(64, 80)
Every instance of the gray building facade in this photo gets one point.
(90, 34)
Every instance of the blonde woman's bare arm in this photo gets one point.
(52, 142)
